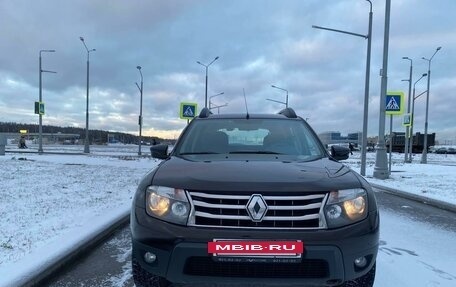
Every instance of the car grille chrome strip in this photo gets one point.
(220, 196)
(284, 218)
(234, 217)
(205, 204)
(303, 197)
(296, 207)
(225, 209)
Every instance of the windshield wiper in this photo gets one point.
(254, 152)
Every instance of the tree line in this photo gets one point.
(95, 136)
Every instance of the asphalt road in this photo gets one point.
(109, 264)
(416, 211)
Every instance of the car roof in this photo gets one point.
(245, 116)
(287, 113)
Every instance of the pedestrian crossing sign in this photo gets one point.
(394, 103)
(188, 111)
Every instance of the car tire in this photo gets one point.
(142, 278)
(366, 280)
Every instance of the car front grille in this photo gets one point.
(286, 211)
(205, 266)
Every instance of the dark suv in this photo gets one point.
(253, 199)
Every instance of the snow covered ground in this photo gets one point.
(43, 197)
(436, 180)
(46, 197)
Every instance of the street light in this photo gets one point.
(40, 99)
(286, 102)
(86, 141)
(413, 117)
(424, 154)
(219, 106)
(210, 102)
(207, 66)
(366, 85)
(381, 168)
(407, 128)
(140, 108)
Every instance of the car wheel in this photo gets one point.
(364, 281)
(143, 278)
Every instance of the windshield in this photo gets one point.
(250, 136)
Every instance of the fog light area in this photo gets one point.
(360, 262)
(150, 257)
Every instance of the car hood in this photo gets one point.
(255, 176)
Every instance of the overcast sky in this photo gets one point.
(259, 44)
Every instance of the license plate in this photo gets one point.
(256, 248)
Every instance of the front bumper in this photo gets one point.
(182, 256)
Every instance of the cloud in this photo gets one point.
(260, 43)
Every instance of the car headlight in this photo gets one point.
(169, 204)
(345, 207)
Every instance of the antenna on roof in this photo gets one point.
(245, 100)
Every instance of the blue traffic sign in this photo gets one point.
(394, 104)
(188, 110)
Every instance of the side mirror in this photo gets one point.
(339, 152)
(159, 151)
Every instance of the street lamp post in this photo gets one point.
(207, 67)
(407, 128)
(210, 98)
(40, 99)
(86, 141)
(276, 101)
(381, 168)
(286, 101)
(219, 106)
(413, 117)
(424, 154)
(366, 86)
(140, 108)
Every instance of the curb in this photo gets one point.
(31, 271)
(43, 152)
(426, 200)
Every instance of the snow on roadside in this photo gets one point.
(45, 196)
(436, 180)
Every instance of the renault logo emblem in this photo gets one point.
(257, 207)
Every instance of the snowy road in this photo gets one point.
(416, 250)
(417, 244)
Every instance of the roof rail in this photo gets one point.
(205, 113)
(288, 112)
